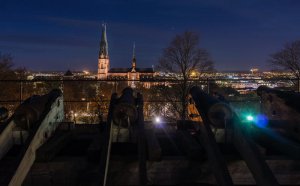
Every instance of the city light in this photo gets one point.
(86, 72)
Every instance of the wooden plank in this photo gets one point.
(48, 125)
(6, 139)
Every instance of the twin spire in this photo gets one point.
(103, 53)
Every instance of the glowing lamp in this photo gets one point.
(157, 119)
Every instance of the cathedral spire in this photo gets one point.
(103, 59)
(103, 53)
(133, 57)
(133, 51)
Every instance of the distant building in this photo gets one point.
(68, 75)
(131, 74)
(254, 70)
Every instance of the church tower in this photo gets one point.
(133, 63)
(103, 59)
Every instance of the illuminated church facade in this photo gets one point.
(131, 74)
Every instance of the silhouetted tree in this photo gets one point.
(288, 58)
(6, 65)
(183, 57)
(10, 89)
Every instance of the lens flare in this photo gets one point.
(261, 120)
(250, 118)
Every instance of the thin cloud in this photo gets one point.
(45, 40)
(72, 22)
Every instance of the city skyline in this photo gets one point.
(54, 35)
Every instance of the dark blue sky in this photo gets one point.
(65, 34)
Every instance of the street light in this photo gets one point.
(75, 115)
(157, 119)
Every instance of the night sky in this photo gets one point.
(48, 35)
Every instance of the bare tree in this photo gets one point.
(6, 65)
(7, 71)
(183, 57)
(10, 90)
(288, 58)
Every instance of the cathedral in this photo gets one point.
(131, 74)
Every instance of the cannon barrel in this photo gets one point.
(291, 98)
(33, 108)
(267, 89)
(284, 106)
(3, 113)
(211, 108)
(125, 108)
(205, 105)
